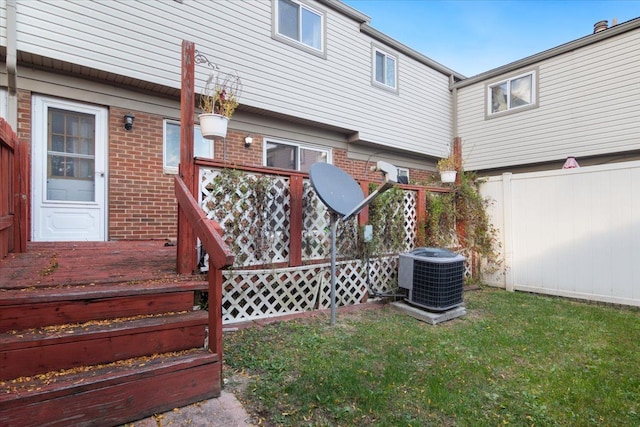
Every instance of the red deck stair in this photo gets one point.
(100, 335)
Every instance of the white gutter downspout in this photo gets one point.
(454, 106)
(12, 65)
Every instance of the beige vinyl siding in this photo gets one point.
(142, 39)
(588, 105)
(3, 23)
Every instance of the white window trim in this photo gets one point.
(173, 170)
(376, 49)
(4, 103)
(298, 145)
(511, 110)
(275, 34)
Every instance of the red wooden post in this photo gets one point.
(21, 202)
(295, 221)
(215, 313)
(186, 244)
(457, 156)
(461, 228)
(421, 213)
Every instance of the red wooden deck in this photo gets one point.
(100, 334)
(49, 264)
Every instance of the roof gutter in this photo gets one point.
(547, 54)
(372, 32)
(366, 28)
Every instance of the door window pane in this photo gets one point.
(70, 156)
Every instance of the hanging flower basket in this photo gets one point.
(212, 125)
(448, 176)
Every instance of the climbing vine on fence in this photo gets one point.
(243, 204)
(464, 205)
(386, 216)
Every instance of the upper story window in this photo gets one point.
(299, 24)
(512, 94)
(289, 155)
(171, 145)
(385, 67)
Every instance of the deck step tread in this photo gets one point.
(112, 394)
(95, 291)
(96, 329)
(65, 381)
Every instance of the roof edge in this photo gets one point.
(366, 28)
(382, 37)
(347, 10)
(553, 52)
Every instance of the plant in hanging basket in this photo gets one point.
(218, 101)
(446, 164)
(447, 168)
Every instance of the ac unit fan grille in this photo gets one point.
(437, 285)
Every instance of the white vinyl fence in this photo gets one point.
(573, 232)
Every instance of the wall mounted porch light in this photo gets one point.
(128, 121)
(248, 140)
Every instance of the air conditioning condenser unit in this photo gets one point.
(433, 277)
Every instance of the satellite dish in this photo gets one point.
(337, 189)
(344, 198)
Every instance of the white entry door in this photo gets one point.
(69, 171)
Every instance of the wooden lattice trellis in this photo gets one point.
(259, 294)
(255, 216)
(258, 231)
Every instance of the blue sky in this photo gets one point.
(473, 36)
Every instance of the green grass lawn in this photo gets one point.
(514, 359)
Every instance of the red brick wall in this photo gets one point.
(141, 200)
(24, 136)
(142, 204)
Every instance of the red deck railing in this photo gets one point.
(13, 192)
(220, 256)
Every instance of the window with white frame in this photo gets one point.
(171, 145)
(511, 94)
(403, 175)
(289, 155)
(385, 68)
(300, 24)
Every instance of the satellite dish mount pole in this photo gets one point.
(334, 226)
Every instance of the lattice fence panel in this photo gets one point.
(253, 210)
(410, 214)
(351, 284)
(316, 231)
(316, 234)
(256, 294)
(468, 263)
(383, 274)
